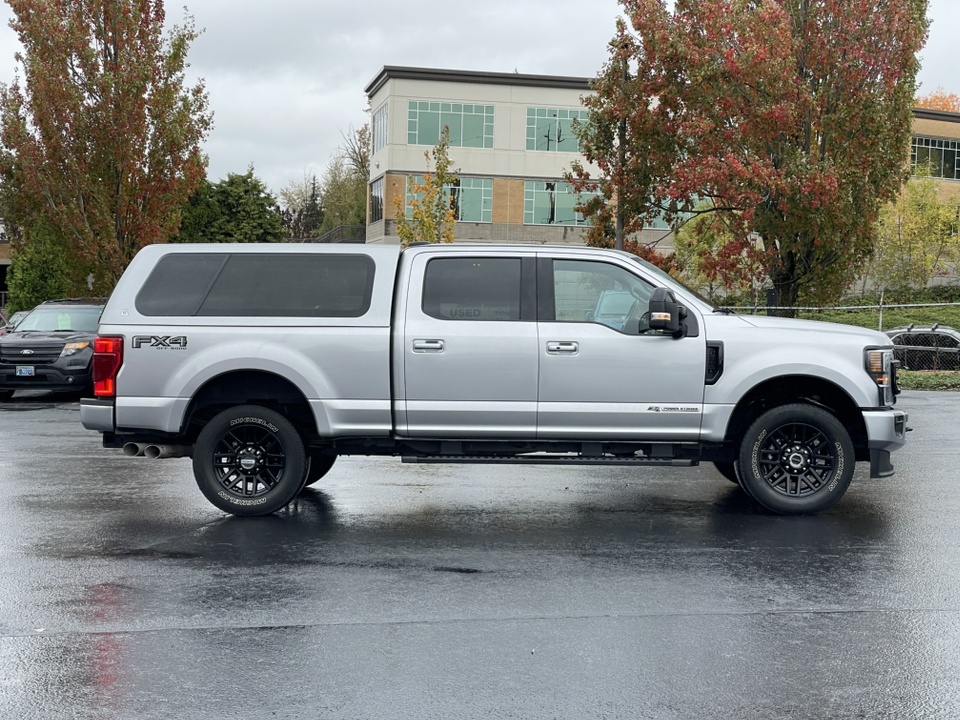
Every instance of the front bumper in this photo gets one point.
(886, 432)
(54, 377)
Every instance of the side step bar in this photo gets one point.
(552, 460)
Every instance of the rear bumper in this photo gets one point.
(886, 432)
(97, 414)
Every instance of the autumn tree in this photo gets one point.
(792, 117)
(939, 99)
(710, 257)
(917, 236)
(41, 270)
(432, 215)
(102, 141)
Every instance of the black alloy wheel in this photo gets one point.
(249, 460)
(796, 459)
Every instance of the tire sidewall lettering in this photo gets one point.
(254, 421)
(755, 455)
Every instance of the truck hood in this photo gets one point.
(869, 337)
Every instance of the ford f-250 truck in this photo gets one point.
(267, 362)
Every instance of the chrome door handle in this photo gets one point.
(428, 346)
(562, 348)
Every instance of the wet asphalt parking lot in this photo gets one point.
(468, 591)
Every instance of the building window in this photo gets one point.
(552, 203)
(943, 156)
(471, 198)
(551, 129)
(470, 125)
(376, 201)
(380, 128)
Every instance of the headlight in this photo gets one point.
(881, 366)
(73, 348)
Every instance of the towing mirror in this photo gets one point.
(665, 314)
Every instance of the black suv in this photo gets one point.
(51, 348)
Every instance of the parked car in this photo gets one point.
(926, 347)
(51, 348)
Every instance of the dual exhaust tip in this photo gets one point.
(155, 452)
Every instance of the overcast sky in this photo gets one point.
(286, 78)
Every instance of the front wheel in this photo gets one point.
(796, 459)
(249, 460)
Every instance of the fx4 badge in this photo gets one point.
(165, 342)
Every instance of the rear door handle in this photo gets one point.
(562, 348)
(428, 346)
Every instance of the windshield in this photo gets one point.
(672, 283)
(61, 319)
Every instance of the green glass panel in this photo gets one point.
(488, 142)
(468, 108)
(473, 131)
(412, 105)
(923, 155)
(455, 123)
(950, 164)
(411, 138)
(412, 126)
(435, 107)
(423, 106)
(531, 112)
(541, 112)
(563, 114)
(456, 107)
(566, 138)
(470, 205)
(547, 134)
(566, 213)
(488, 110)
(429, 130)
(444, 107)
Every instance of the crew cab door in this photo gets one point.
(607, 376)
(470, 359)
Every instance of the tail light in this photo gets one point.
(107, 359)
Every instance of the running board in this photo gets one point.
(551, 460)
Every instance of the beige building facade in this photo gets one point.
(511, 141)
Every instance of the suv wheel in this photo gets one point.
(796, 459)
(249, 460)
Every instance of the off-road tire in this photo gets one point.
(249, 460)
(796, 459)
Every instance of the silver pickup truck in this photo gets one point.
(264, 363)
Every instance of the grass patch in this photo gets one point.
(922, 380)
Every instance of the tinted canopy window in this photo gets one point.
(472, 289)
(179, 283)
(265, 285)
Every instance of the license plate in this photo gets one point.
(25, 371)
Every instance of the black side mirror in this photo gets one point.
(665, 313)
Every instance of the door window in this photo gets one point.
(598, 292)
(473, 289)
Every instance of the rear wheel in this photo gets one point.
(796, 459)
(249, 460)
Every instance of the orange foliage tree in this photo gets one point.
(102, 142)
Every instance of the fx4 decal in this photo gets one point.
(166, 342)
